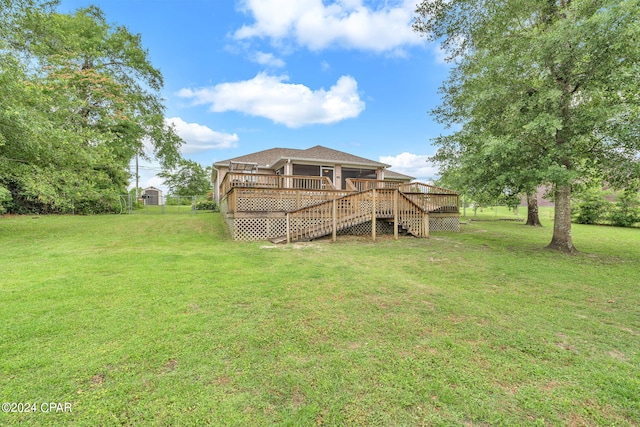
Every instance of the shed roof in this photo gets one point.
(152, 189)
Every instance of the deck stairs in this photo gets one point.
(342, 213)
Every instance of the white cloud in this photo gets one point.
(293, 105)
(199, 138)
(153, 181)
(345, 23)
(267, 59)
(412, 164)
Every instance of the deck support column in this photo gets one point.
(288, 228)
(425, 224)
(395, 215)
(334, 232)
(373, 214)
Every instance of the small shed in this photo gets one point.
(152, 196)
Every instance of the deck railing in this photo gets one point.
(420, 187)
(241, 199)
(358, 184)
(250, 180)
(280, 193)
(328, 217)
(428, 197)
(441, 203)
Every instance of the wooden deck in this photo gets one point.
(293, 208)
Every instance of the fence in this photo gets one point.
(168, 205)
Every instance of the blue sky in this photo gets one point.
(247, 75)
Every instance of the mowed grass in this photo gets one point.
(163, 320)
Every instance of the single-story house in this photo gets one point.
(285, 194)
(336, 165)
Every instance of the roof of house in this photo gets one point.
(389, 174)
(269, 158)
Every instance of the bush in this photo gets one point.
(207, 205)
(592, 206)
(95, 204)
(5, 198)
(627, 209)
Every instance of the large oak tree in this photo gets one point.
(80, 98)
(552, 84)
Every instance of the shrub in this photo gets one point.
(627, 209)
(207, 205)
(95, 204)
(5, 198)
(592, 206)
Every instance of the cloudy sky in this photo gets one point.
(248, 75)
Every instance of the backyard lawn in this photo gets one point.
(163, 320)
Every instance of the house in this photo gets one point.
(285, 194)
(152, 196)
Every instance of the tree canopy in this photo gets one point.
(188, 179)
(540, 92)
(79, 99)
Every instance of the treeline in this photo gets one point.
(79, 99)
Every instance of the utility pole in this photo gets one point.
(137, 177)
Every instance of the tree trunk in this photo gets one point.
(532, 210)
(561, 239)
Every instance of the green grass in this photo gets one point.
(162, 320)
(502, 212)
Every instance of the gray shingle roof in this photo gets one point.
(389, 174)
(267, 158)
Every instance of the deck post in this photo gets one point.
(334, 219)
(373, 214)
(425, 224)
(395, 215)
(288, 227)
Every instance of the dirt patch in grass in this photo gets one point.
(98, 380)
(169, 366)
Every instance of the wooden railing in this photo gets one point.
(412, 217)
(322, 219)
(420, 187)
(233, 179)
(358, 184)
(249, 180)
(441, 203)
(428, 197)
(241, 199)
(285, 193)
(329, 217)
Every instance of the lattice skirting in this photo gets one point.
(256, 228)
(382, 227)
(274, 204)
(444, 223)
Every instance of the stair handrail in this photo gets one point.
(410, 219)
(321, 216)
(320, 220)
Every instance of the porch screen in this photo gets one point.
(306, 170)
(356, 173)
